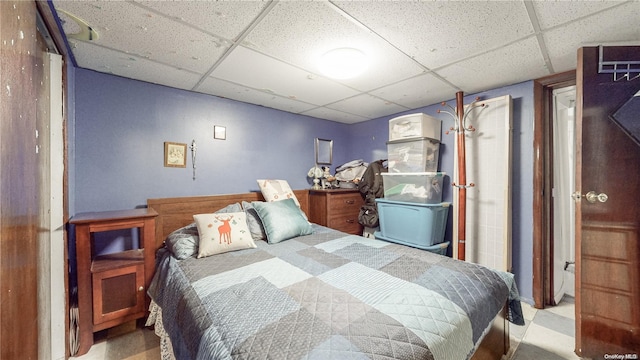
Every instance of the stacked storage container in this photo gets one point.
(414, 143)
(412, 211)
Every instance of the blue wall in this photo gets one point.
(121, 126)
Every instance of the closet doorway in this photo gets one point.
(553, 227)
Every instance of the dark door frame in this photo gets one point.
(542, 182)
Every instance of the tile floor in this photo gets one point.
(547, 334)
(129, 341)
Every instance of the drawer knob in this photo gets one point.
(350, 202)
(141, 288)
(350, 221)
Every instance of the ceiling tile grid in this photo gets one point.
(557, 13)
(230, 90)
(301, 32)
(368, 106)
(417, 91)
(133, 30)
(224, 19)
(265, 52)
(619, 24)
(250, 68)
(335, 115)
(117, 63)
(507, 65)
(437, 33)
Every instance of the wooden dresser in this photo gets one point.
(337, 209)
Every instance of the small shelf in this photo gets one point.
(117, 260)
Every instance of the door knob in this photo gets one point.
(592, 197)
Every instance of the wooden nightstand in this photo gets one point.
(112, 288)
(337, 209)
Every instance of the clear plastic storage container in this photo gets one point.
(423, 187)
(414, 126)
(413, 155)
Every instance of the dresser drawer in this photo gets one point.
(348, 224)
(337, 209)
(345, 204)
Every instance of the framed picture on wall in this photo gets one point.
(175, 154)
(219, 132)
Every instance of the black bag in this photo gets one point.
(371, 187)
(368, 215)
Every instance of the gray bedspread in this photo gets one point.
(328, 295)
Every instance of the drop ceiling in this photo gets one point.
(265, 52)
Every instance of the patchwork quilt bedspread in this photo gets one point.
(328, 295)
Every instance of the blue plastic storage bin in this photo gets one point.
(413, 224)
(439, 248)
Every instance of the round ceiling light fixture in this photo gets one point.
(343, 63)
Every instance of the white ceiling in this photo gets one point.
(263, 52)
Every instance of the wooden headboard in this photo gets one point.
(174, 213)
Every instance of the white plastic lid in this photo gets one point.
(415, 173)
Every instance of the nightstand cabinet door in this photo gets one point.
(337, 209)
(118, 293)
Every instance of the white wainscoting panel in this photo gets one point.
(488, 166)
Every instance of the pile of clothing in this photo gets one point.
(349, 174)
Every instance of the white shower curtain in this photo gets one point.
(563, 188)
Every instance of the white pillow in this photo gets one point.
(220, 233)
(274, 190)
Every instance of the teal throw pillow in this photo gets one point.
(282, 220)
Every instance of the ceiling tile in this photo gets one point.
(508, 65)
(134, 30)
(422, 51)
(436, 33)
(226, 19)
(335, 115)
(301, 32)
(229, 90)
(114, 62)
(554, 13)
(249, 68)
(417, 92)
(610, 26)
(367, 106)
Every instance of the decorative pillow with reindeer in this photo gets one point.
(220, 233)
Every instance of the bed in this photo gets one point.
(323, 295)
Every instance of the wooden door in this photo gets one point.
(20, 59)
(608, 233)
